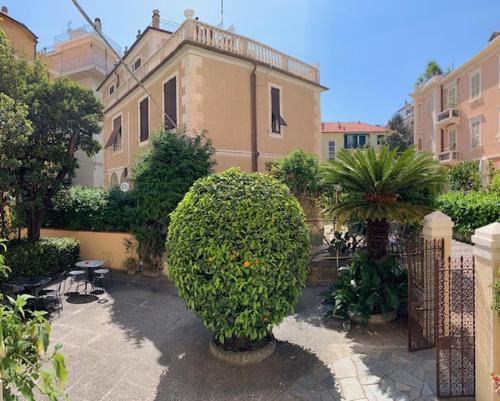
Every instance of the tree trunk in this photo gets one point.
(377, 238)
(34, 224)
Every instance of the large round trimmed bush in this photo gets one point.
(238, 251)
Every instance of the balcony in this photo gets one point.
(448, 156)
(447, 117)
(82, 63)
(194, 31)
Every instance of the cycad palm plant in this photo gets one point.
(378, 184)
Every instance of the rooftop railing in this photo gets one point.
(216, 38)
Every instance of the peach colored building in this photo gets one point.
(80, 54)
(457, 115)
(255, 103)
(19, 35)
(348, 135)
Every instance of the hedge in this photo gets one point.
(470, 210)
(94, 209)
(46, 257)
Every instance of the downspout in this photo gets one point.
(253, 105)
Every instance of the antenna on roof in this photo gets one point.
(222, 13)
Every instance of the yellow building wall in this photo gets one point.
(22, 40)
(338, 137)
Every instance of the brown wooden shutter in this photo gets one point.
(275, 110)
(170, 103)
(144, 119)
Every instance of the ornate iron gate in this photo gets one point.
(455, 328)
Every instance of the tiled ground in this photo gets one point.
(141, 343)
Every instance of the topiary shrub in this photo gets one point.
(46, 257)
(238, 251)
(465, 176)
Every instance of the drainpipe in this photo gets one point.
(253, 105)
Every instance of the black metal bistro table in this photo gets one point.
(33, 285)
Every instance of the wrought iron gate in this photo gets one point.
(455, 328)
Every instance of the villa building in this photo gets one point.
(407, 113)
(349, 135)
(19, 35)
(457, 115)
(255, 103)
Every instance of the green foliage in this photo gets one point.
(47, 122)
(400, 135)
(238, 251)
(161, 176)
(465, 176)
(94, 209)
(431, 70)
(471, 210)
(496, 295)
(47, 257)
(495, 182)
(25, 364)
(368, 287)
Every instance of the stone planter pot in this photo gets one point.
(130, 272)
(242, 358)
(381, 318)
(148, 273)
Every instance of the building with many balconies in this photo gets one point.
(457, 115)
(255, 103)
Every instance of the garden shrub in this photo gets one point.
(495, 182)
(238, 251)
(470, 211)
(94, 209)
(465, 176)
(46, 257)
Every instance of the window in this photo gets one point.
(137, 64)
(170, 103)
(452, 139)
(355, 141)
(451, 98)
(117, 134)
(277, 121)
(475, 132)
(380, 139)
(475, 85)
(111, 89)
(331, 150)
(420, 146)
(420, 115)
(144, 119)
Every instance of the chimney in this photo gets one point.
(98, 25)
(5, 10)
(156, 19)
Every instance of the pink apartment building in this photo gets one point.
(457, 115)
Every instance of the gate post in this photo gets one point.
(487, 253)
(439, 226)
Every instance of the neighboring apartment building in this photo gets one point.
(457, 115)
(407, 114)
(255, 102)
(19, 35)
(80, 54)
(348, 135)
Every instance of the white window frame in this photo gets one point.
(472, 122)
(276, 135)
(330, 142)
(177, 88)
(452, 87)
(420, 115)
(120, 114)
(450, 130)
(139, 120)
(133, 64)
(472, 74)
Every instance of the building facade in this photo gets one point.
(349, 135)
(255, 103)
(19, 35)
(407, 113)
(80, 54)
(457, 115)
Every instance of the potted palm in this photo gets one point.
(380, 187)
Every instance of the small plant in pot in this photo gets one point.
(238, 251)
(131, 264)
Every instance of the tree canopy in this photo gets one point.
(431, 70)
(43, 124)
(400, 134)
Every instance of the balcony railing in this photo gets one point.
(216, 38)
(80, 63)
(449, 116)
(71, 34)
(448, 156)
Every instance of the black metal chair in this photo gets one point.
(102, 274)
(52, 292)
(78, 277)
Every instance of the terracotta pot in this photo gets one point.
(380, 318)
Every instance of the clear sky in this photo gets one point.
(370, 51)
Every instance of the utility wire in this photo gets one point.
(120, 60)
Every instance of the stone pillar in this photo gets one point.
(487, 257)
(438, 225)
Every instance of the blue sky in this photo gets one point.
(370, 51)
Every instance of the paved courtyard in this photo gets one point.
(141, 343)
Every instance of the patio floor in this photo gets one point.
(140, 342)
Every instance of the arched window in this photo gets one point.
(113, 181)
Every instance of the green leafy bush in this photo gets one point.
(94, 209)
(368, 287)
(496, 295)
(465, 176)
(47, 257)
(495, 182)
(470, 211)
(238, 251)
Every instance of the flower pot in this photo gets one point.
(379, 318)
(131, 272)
(242, 358)
(149, 273)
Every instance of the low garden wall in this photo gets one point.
(92, 243)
